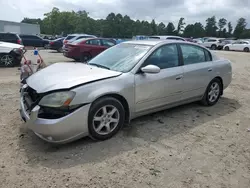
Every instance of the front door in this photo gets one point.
(156, 90)
(198, 70)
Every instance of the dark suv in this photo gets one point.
(35, 41)
(10, 37)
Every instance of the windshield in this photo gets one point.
(122, 57)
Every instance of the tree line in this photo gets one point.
(114, 25)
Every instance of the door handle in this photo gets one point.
(179, 77)
(210, 69)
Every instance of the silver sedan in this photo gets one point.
(67, 101)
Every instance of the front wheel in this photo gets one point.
(106, 118)
(60, 50)
(7, 60)
(227, 48)
(85, 57)
(213, 93)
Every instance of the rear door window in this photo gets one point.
(192, 54)
(95, 42)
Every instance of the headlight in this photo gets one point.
(57, 99)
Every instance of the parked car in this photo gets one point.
(241, 45)
(10, 54)
(167, 37)
(211, 43)
(222, 43)
(10, 37)
(56, 44)
(35, 41)
(73, 37)
(86, 48)
(128, 80)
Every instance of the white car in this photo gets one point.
(241, 45)
(211, 43)
(10, 54)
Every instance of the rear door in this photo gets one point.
(198, 70)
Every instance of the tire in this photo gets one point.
(60, 50)
(207, 100)
(7, 60)
(106, 125)
(227, 48)
(246, 49)
(85, 57)
(213, 47)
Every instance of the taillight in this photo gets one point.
(51, 43)
(19, 41)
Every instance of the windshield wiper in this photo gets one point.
(100, 66)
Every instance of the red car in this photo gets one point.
(86, 48)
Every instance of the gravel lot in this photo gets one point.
(186, 147)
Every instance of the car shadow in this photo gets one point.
(54, 52)
(142, 131)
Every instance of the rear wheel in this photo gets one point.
(106, 118)
(85, 57)
(246, 49)
(213, 93)
(213, 47)
(227, 48)
(7, 60)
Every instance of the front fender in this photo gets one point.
(122, 85)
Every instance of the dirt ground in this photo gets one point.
(186, 147)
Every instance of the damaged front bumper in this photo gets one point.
(57, 130)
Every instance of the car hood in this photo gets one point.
(66, 75)
(10, 45)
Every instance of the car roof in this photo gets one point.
(165, 36)
(80, 35)
(152, 42)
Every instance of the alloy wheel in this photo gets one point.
(106, 119)
(7, 60)
(214, 92)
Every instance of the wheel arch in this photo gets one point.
(221, 81)
(122, 100)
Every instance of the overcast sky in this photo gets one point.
(160, 10)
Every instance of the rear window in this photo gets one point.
(211, 40)
(69, 37)
(175, 38)
(154, 37)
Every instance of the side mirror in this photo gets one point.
(151, 69)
